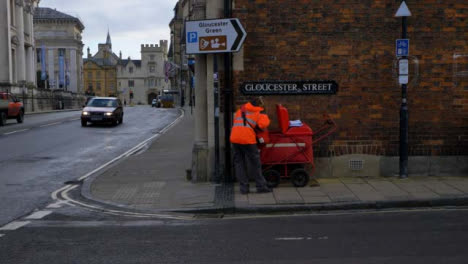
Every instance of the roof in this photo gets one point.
(100, 62)
(45, 13)
(125, 62)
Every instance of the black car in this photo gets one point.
(102, 110)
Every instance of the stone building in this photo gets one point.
(352, 45)
(100, 71)
(143, 78)
(17, 52)
(60, 35)
(180, 74)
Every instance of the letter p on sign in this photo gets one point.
(192, 37)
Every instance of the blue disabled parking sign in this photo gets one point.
(402, 47)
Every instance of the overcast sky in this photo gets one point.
(131, 22)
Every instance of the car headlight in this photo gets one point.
(108, 114)
(85, 113)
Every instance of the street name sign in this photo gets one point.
(307, 87)
(214, 36)
(402, 47)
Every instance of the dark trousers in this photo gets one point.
(247, 163)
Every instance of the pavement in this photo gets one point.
(156, 180)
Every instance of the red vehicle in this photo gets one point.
(290, 149)
(10, 107)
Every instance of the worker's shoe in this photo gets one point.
(264, 190)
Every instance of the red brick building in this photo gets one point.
(353, 44)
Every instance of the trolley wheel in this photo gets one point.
(299, 177)
(272, 177)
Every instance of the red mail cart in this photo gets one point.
(290, 149)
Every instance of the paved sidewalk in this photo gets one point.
(155, 180)
(349, 193)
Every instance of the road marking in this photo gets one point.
(38, 215)
(289, 238)
(54, 194)
(299, 238)
(16, 131)
(65, 196)
(51, 124)
(57, 204)
(14, 225)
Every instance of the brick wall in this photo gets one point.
(353, 43)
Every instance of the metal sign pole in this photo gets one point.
(404, 119)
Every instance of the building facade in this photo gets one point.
(60, 65)
(100, 71)
(145, 78)
(17, 47)
(353, 46)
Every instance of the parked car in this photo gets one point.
(156, 103)
(10, 108)
(102, 110)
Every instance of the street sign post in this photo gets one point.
(214, 36)
(402, 50)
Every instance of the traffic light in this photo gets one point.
(131, 94)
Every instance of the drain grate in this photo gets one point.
(356, 165)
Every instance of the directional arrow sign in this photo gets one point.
(214, 36)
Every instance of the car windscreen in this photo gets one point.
(102, 103)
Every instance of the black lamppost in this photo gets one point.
(403, 51)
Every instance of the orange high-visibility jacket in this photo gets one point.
(245, 134)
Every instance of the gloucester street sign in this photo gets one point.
(289, 87)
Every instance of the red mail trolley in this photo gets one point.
(288, 151)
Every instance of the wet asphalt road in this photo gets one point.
(37, 157)
(68, 236)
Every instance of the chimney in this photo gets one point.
(89, 53)
(120, 55)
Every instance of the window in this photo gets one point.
(131, 83)
(90, 86)
(151, 83)
(152, 69)
(61, 52)
(38, 55)
(98, 75)
(90, 75)
(151, 57)
(130, 69)
(120, 84)
(98, 85)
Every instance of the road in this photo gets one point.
(37, 157)
(73, 236)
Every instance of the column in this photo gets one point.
(200, 148)
(30, 58)
(50, 63)
(21, 56)
(201, 134)
(30, 62)
(73, 72)
(5, 45)
(210, 114)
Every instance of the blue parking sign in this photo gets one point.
(192, 37)
(402, 47)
